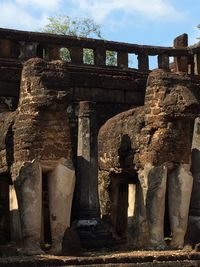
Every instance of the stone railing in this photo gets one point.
(22, 45)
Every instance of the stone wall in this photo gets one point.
(113, 90)
(157, 134)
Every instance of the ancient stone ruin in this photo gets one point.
(98, 155)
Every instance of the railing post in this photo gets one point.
(197, 64)
(100, 56)
(191, 64)
(181, 62)
(143, 62)
(122, 59)
(53, 52)
(5, 48)
(28, 50)
(163, 62)
(41, 50)
(76, 54)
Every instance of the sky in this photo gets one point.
(149, 22)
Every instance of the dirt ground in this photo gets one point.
(104, 258)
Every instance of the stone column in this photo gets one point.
(181, 62)
(76, 54)
(53, 52)
(122, 59)
(5, 48)
(15, 225)
(100, 56)
(27, 50)
(194, 213)
(163, 62)
(4, 209)
(143, 62)
(197, 64)
(88, 224)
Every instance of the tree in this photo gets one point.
(198, 26)
(83, 27)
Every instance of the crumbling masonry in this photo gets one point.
(48, 132)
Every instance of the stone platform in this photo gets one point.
(134, 258)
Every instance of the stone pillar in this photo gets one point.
(53, 52)
(28, 50)
(163, 62)
(88, 225)
(76, 54)
(194, 213)
(15, 225)
(122, 59)
(197, 64)
(181, 62)
(100, 56)
(4, 210)
(143, 62)
(5, 48)
(131, 211)
(131, 203)
(180, 183)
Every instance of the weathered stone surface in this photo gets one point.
(179, 191)
(71, 245)
(181, 63)
(172, 97)
(159, 134)
(61, 183)
(87, 162)
(35, 139)
(4, 209)
(6, 141)
(42, 115)
(194, 215)
(88, 225)
(28, 185)
(15, 225)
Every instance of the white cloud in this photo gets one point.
(51, 5)
(193, 35)
(33, 14)
(154, 9)
(16, 15)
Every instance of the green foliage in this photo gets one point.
(111, 58)
(83, 27)
(198, 26)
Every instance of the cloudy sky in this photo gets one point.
(154, 22)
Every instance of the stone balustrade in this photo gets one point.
(22, 45)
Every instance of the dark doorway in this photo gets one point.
(46, 228)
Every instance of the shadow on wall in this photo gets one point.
(125, 152)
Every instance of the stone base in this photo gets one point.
(192, 236)
(93, 233)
